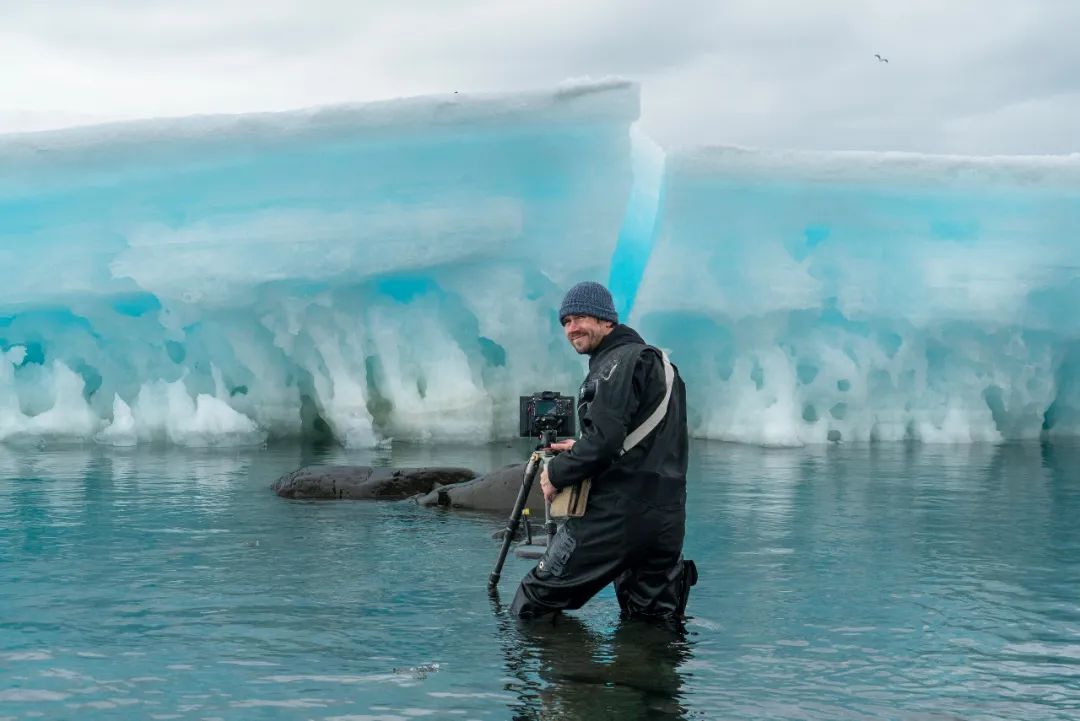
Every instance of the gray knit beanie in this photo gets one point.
(589, 298)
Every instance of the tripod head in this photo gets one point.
(547, 437)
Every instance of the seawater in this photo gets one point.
(840, 582)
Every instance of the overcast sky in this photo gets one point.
(964, 76)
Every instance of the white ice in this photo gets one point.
(393, 269)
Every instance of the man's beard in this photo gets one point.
(590, 343)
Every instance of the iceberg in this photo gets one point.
(391, 270)
(367, 271)
(869, 296)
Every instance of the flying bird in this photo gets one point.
(881, 59)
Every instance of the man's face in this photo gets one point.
(585, 332)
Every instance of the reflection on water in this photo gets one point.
(565, 669)
(894, 582)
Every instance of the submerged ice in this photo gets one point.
(391, 270)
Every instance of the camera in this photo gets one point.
(546, 411)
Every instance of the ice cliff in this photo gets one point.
(392, 269)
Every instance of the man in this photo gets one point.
(633, 526)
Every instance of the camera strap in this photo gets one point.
(639, 433)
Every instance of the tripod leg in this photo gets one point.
(515, 520)
(549, 523)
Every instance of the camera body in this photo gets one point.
(546, 411)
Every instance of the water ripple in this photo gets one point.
(840, 583)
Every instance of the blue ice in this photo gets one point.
(392, 269)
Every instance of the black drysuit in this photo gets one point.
(633, 527)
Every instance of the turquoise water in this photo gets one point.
(893, 582)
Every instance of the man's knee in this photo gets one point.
(652, 595)
(540, 594)
(526, 603)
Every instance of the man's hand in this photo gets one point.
(545, 485)
(562, 445)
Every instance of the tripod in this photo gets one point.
(539, 458)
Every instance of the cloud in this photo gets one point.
(776, 73)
